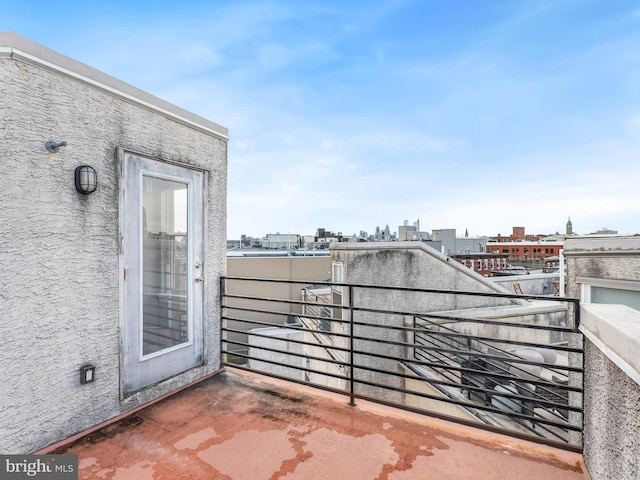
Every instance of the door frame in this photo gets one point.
(197, 335)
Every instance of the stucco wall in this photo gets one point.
(401, 264)
(611, 396)
(616, 258)
(612, 419)
(59, 301)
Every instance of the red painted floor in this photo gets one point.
(246, 427)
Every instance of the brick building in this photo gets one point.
(483, 263)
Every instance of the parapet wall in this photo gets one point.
(612, 391)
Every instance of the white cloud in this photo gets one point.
(341, 116)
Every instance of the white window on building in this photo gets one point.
(337, 275)
(600, 290)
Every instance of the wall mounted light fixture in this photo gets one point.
(86, 179)
(54, 147)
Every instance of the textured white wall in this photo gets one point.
(59, 299)
(611, 397)
(612, 419)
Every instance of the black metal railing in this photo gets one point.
(507, 363)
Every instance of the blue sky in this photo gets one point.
(352, 114)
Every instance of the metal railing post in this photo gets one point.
(222, 290)
(352, 399)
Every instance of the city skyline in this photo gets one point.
(467, 115)
(423, 228)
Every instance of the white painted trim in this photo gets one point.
(609, 283)
(631, 372)
(615, 331)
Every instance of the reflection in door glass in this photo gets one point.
(164, 304)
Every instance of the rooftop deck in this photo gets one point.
(243, 426)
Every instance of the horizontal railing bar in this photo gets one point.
(392, 312)
(524, 424)
(492, 373)
(303, 369)
(459, 320)
(477, 355)
(421, 394)
(474, 337)
(499, 394)
(405, 289)
(298, 342)
(399, 327)
(512, 358)
(566, 426)
(475, 388)
(289, 327)
(280, 314)
(416, 345)
(286, 352)
(481, 321)
(412, 345)
(423, 317)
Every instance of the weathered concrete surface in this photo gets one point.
(612, 419)
(246, 427)
(533, 284)
(414, 265)
(611, 396)
(59, 298)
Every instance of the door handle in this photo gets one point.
(199, 278)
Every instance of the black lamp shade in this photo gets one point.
(86, 179)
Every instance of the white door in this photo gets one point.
(162, 255)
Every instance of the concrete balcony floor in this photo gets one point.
(242, 426)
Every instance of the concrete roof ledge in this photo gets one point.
(602, 245)
(615, 330)
(491, 285)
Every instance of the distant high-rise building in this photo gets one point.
(569, 227)
(407, 232)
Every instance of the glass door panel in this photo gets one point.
(165, 261)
